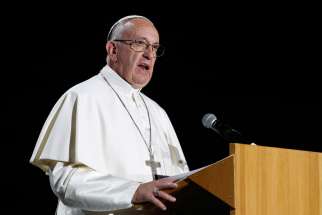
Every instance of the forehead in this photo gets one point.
(141, 29)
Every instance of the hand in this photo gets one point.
(152, 192)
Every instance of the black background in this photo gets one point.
(254, 66)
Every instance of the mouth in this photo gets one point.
(144, 66)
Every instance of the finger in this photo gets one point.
(166, 196)
(167, 185)
(158, 203)
(167, 180)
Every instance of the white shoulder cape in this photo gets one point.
(89, 126)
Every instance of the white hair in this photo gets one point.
(115, 29)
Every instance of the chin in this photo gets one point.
(142, 80)
(141, 84)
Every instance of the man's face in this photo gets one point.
(136, 67)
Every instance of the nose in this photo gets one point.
(148, 52)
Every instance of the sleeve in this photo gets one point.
(84, 188)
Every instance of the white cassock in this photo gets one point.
(94, 153)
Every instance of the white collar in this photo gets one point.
(119, 83)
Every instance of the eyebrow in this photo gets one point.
(144, 38)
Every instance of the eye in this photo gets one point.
(140, 43)
(155, 46)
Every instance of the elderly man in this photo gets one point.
(105, 143)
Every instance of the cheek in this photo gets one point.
(153, 64)
(133, 60)
(128, 59)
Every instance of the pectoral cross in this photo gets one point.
(154, 165)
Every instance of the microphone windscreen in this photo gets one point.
(208, 119)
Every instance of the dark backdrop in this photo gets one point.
(254, 66)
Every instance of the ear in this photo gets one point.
(111, 50)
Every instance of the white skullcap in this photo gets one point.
(122, 20)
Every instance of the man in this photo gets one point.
(105, 143)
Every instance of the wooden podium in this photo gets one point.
(276, 181)
(253, 180)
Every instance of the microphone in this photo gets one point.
(229, 134)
